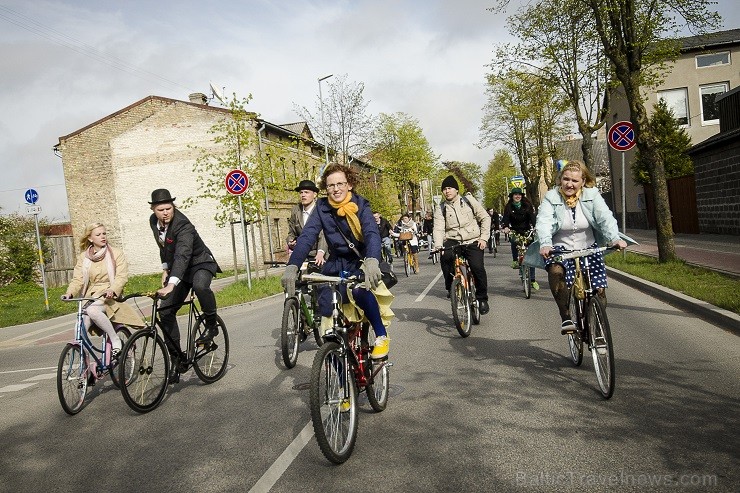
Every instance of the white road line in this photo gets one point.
(17, 387)
(45, 376)
(28, 369)
(271, 476)
(424, 293)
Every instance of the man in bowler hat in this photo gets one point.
(186, 263)
(299, 215)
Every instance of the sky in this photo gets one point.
(66, 64)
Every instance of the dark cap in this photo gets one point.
(515, 191)
(306, 185)
(161, 196)
(451, 182)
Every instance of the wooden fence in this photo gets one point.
(60, 266)
(682, 200)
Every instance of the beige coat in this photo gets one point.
(463, 222)
(98, 283)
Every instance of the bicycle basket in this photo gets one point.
(406, 235)
(579, 285)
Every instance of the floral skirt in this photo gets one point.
(595, 264)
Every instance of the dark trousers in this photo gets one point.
(201, 284)
(475, 260)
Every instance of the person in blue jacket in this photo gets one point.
(573, 216)
(351, 213)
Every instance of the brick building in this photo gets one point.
(112, 165)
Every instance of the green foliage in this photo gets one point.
(500, 169)
(19, 256)
(672, 144)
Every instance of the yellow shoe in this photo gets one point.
(345, 406)
(380, 350)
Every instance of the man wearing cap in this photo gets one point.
(298, 217)
(463, 220)
(186, 263)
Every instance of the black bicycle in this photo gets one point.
(146, 361)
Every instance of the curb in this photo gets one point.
(719, 316)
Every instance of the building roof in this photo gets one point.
(710, 40)
(298, 128)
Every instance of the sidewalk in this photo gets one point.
(716, 252)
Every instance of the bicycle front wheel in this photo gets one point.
(333, 402)
(144, 370)
(460, 307)
(123, 333)
(289, 331)
(575, 340)
(602, 351)
(71, 379)
(406, 264)
(210, 360)
(526, 282)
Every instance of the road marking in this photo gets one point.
(424, 293)
(270, 477)
(45, 376)
(28, 369)
(17, 387)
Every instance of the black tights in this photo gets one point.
(560, 291)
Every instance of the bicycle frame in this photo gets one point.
(86, 345)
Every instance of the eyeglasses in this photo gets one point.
(337, 186)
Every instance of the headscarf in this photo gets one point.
(90, 257)
(571, 201)
(348, 210)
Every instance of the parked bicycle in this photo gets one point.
(146, 361)
(588, 313)
(82, 364)
(465, 306)
(341, 369)
(301, 316)
(525, 274)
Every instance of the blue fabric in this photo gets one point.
(595, 264)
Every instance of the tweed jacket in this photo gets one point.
(463, 222)
(295, 228)
(183, 251)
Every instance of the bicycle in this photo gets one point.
(493, 243)
(410, 262)
(522, 242)
(341, 369)
(386, 252)
(588, 313)
(301, 316)
(147, 361)
(465, 306)
(80, 366)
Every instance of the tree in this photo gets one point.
(403, 154)
(349, 127)
(19, 254)
(469, 175)
(673, 143)
(636, 37)
(495, 180)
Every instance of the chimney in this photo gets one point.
(198, 98)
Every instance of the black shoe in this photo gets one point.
(174, 376)
(483, 307)
(448, 294)
(207, 336)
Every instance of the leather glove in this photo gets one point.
(373, 276)
(288, 279)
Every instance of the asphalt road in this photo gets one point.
(502, 410)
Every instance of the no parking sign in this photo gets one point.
(237, 182)
(622, 136)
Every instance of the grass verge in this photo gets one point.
(706, 285)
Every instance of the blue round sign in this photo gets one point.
(31, 196)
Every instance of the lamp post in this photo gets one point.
(323, 126)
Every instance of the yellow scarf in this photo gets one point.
(348, 210)
(571, 201)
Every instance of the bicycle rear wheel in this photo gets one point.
(71, 379)
(460, 307)
(406, 264)
(292, 326)
(602, 351)
(123, 333)
(144, 370)
(474, 303)
(378, 379)
(333, 386)
(575, 340)
(210, 360)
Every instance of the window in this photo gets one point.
(712, 59)
(678, 102)
(709, 107)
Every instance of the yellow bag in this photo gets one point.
(579, 285)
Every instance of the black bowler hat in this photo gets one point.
(161, 196)
(307, 185)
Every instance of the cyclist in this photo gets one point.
(493, 240)
(407, 225)
(573, 216)
(385, 235)
(299, 215)
(519, 216)
(461, 219)
(354, 242)
(187, 264)
(427, 229)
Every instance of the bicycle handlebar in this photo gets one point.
(321, 278)
(568, 254)
(457, 246)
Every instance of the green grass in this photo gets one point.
(715, 288)
(24, 303)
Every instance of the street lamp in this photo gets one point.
(323, 126)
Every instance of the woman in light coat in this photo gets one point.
(102, 271)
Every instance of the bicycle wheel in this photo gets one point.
(336, 431)
(575, 341)
(71, 379)
(602, 351)
(495, 249)
(474, 303)
(292, 325)
(123, 333)
(144, 370)
(460, 307)
(407, 264)
(210, 360)
(435, 258)
(378, 380)
(526, 282)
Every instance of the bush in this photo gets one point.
(18, 250)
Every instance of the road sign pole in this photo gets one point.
(245, 243)
(624, 200)
(41, 262)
